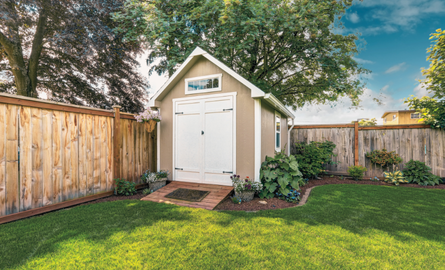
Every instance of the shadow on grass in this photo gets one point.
(403, 213)
(21, 240)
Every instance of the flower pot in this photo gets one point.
(150, 125)
(245, 196)
(158, 184)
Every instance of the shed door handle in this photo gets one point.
(202, 132)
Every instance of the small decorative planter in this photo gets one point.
(158, 184)
(150, 125)
(245, 196)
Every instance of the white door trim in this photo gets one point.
(204, 97)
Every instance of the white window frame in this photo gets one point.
(277, 114)
(418, 116)
(384, 120)
(394, 117)
(213, 76)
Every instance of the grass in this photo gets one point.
(341, 226)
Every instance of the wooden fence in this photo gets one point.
(52, 153)
(417, 142)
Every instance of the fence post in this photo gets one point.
(117, 139)
(356, 143)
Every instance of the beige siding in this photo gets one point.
(244, 117)
(267, 130)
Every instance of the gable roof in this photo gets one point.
(191, 60)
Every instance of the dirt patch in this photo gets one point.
(274, 203)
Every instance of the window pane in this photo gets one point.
(215, 83)
(209, 84)
(277, 140)
(278, 123)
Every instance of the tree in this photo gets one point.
(433, 108)
(367, 123)
(284, 47)
(68, 50)
(435, 74)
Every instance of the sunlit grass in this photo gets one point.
(341, 226)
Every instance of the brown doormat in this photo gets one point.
(190, 195)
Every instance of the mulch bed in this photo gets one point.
(274, 203)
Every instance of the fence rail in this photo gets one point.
(418, 142)
(52, 153)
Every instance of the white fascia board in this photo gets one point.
(277, 104)
(255, 92)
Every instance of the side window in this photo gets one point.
(277, 131)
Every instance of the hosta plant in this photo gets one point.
(418, 172)
(395, 177)
(279, 175)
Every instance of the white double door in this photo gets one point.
(204, 149)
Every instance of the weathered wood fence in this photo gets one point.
(52, 154)
(418, 142)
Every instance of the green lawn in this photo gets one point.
(341, 226)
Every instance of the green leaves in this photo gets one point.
(432, 110)
(266, 42)
(279, 174)
(418, 172)
(311, 158)
(384, 158)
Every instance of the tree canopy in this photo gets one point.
(287, 48)
(367, 122)
(435, 74)
(433, 108)
(68, 50)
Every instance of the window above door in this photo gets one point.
(203, 84)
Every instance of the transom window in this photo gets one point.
(277, 131)
(415, 115)
(203, 84)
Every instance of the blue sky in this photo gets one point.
(394, 38)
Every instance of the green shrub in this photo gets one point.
(384, 158)
(395, 177)
(124, 187)
(146, 191)
(279, 175)
(357, 172)
(313, 157)
(418, 172)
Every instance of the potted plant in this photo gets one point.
(245, 188)
(149, 118)
(155, 180)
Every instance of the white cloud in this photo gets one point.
(385, 88)
(420, 91)
(354, 18)
(154, 80)
(341, 112)
(395, 68)
(391, 16)
(362, 61)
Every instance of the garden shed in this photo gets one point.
(215, 123)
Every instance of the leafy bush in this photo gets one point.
(162, 174)
(151, 177)
(395, 177)
(146, 191)
(384, 158)
(357, 172)
(235, 200)
(313, 157)
(124, 187)
(418, 172)
(279, 175)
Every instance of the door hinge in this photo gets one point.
(180, 169)
(179, 113)
(231, 109)
(227, 172)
